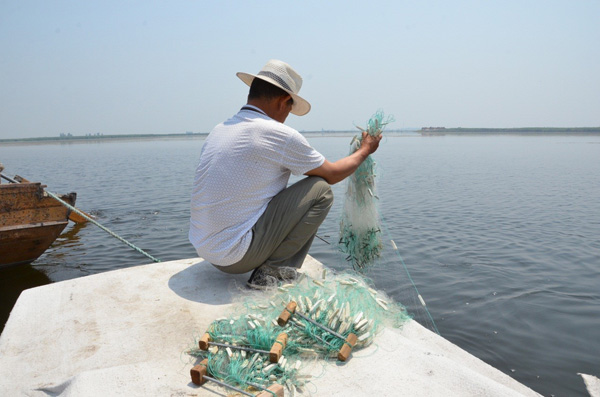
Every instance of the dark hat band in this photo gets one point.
(276, 78)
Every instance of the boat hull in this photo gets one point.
(30, 222)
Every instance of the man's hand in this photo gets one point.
(370, 143)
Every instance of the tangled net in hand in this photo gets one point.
(360, 231)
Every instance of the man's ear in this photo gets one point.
(283, 100)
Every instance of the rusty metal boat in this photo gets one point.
(30, 221)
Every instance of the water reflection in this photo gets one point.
(71, 237)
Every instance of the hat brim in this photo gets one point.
(300, 106)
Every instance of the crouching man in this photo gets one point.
(244, 217)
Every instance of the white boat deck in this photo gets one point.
(125, 332)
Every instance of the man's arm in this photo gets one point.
(339, 170)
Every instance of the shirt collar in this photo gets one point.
(254, 109)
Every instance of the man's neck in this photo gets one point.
(276, 108)
(265, 106)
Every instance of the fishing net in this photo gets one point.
(345, 304)
(360, 230)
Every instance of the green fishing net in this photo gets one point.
(343, 303)
(360, 230)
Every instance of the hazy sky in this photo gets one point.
(121, 67)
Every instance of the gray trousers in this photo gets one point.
(283, 235)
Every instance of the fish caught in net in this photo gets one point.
(326, 313)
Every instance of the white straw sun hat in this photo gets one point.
(282, 75)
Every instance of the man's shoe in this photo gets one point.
(266, 276)
(261, 281)
(287, 274)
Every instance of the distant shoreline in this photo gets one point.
(98, 138)
(425, 131)
(509, 131)
(140, 137)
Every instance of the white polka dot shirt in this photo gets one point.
(244, 162)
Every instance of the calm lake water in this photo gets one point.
(501, 235)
